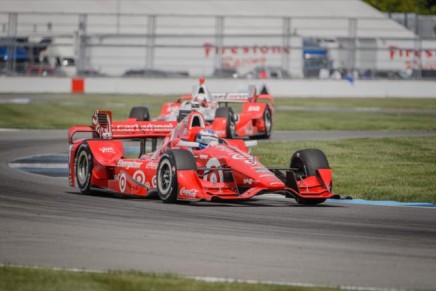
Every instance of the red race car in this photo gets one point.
(191, 163)
(255, 119)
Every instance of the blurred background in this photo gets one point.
(243, 39)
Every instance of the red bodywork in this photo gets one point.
(224, 171)
(249, 122)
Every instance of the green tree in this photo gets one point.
(412, 6)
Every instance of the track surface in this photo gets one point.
(44, 222)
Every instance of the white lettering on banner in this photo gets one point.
(129, 164)
(189, 192)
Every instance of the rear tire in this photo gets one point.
(306, 162)
(84, 165)
(170, 162)
(140, 113)
(227, 112)
(267, 119)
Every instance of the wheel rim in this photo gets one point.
(165, 178)
(268, 122)
(82, 168)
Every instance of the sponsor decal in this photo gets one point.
(203, 157)
(248, 181)
(123, 182)
(144, 127)
(237, 154)
(107, 150)
(151, 165)
(253, 108)
(214, 176)
(153, 181)
(188, 192)
(129, 164)
(139, 176)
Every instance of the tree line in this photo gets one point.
(427, 7)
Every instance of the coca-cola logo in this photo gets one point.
(188, 192)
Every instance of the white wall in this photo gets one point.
(278, 88)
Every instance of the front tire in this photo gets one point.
(84, 165)
(170, 162)
(305, 163)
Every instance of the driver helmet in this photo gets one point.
(206, 137)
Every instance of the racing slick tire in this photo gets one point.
(267, 119)
(140, 113)
(306, 162)
(227, 112)
(170, 162)
(84, 165)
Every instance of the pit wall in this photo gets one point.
(278, 88)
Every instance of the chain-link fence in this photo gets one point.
(139, 45)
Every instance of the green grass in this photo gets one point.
(32, 279)
(385, 103)
(400, 169)
(63, 111)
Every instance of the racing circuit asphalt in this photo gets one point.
(43, 222)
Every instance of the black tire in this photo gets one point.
(170, 162)
(267, 119)
(140, 113)
(84, 165)
(303, 201)
(306, 162)
(227, 112)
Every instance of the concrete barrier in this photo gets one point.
(278, 88)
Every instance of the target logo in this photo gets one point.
(139, 176)
(123, 182)
(214, 176)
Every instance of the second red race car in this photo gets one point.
(255, 119)
(186, 161)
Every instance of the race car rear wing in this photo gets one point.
(104, 128)
(250, 96)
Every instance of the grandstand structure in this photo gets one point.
(192, 37)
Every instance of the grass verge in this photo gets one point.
(17, 278)
(400, 169)
(63, 111)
